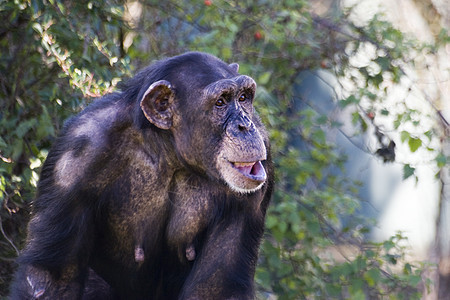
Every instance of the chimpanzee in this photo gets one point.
(155, 192)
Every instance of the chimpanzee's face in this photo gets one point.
(211, 115)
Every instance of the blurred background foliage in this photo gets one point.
(57, 56)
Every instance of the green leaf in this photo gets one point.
(414, 144)
(349, 100)
(24, 127)
(282, 226)
(263, 277)
(321, 120)
(356, 289)
(355, 118)
(319, 137)
(383, 62)
(414, 280)
(404, 135)
(271, 221)
(372, 276)
(398, 121)
(385, 112)
(441, 160)
(407, 269)
(264, 78)
(377, 79)
(334, 290)
(37, 27)
(408, 171)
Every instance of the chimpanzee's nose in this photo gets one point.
(244, 123)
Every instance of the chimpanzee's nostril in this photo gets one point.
(242, 127)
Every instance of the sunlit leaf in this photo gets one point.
(414, 144)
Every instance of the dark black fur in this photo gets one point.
(98, 199)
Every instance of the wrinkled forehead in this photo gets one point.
(230, 86)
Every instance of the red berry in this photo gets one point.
(208, 2)
(371, 115)
(258, 35)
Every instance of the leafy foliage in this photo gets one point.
(52, 64)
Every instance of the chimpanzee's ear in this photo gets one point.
(157, 104)
(234, 66)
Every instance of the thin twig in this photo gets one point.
(6, 237)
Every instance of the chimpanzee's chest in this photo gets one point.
(147, 234)
(146, 217)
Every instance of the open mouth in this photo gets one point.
(251, 170)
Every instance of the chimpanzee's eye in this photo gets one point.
(243, 97)
(220, 102)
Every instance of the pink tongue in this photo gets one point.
(245, 170)
(255, 169)
(258, 169)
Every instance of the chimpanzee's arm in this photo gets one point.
(226, 263)
(54, 262)
(61, 233)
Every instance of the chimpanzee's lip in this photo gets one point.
(252, 170)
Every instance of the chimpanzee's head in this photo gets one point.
(208, 107)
